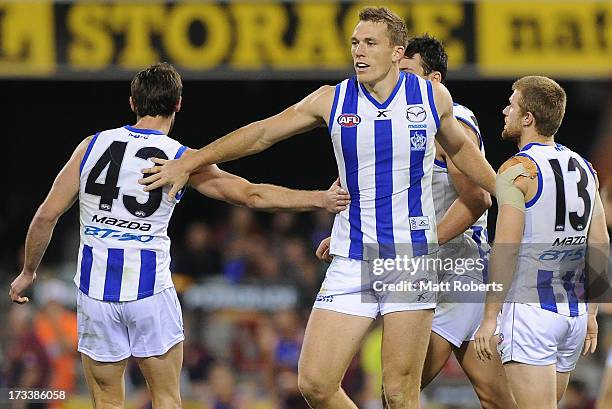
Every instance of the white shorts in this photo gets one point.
(113, 331)
(347, 289)
(458, 314)
(534, 336)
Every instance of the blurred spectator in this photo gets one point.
(197, 257)
(56, 328)
(223, 387)
(26, 362)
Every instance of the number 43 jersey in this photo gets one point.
(124, 253)
(550, 273)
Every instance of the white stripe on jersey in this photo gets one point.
(124, 253)
(550, 271)
(444, 195)
(384, 153)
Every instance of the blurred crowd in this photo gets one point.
(240, 357)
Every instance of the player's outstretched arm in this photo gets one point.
(307, 114)
(472, 202)
(512, 185)
(452, 138)
(217, 184)
(61, 197)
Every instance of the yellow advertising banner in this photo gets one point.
(297, 39)
(556, 38)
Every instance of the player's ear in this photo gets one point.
(132, 104)
(436, 76)
(398, 53)
(528, 119)
(177, 107)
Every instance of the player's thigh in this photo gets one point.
(438, 352)
(405, 341)
(488, 378)
(562, 381)
(105, 381)
(532, 386)
(162, 372)
(331, 340)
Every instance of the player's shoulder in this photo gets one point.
(462, 110)
(531, 168)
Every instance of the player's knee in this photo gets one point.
(400, 389)
(315, 389)
(166, 402)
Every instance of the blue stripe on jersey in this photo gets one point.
(432, 104)
(415, 207)
(413, 90)
(349, 152)
(86, 264)
(146, 284)
(143, 131)
(383, 139)
(477, 231)
(114, 273)
(440, 163)
(388, 101)
(332, 114)
(540, 181)
(473, 128)
(569, 287)
(87, 152)
(545, 291)
(179, 153)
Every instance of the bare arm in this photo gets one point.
(457, 146)
(504, 255)
(217, 184)
(472, 202)
(307, 114)
(61, 197)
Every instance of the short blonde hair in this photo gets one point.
(545, 99)
(396, 26)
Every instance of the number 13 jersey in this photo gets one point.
(124, 253)
(550, 271)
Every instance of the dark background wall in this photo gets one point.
(45, 120)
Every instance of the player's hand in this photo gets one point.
(336, 199)
(19, 285)
(483, 339)
(590, 340)
(323, 250)
(166, 172)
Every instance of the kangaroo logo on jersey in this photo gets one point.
(418, 140)
(416, 113)
(349, 120)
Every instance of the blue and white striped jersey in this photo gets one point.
(125, 249)
(444, 195)
(385, 154)
(550, 272)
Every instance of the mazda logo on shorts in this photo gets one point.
(416, 113)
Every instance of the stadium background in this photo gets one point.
(248, 279)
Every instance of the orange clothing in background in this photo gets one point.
(60, 342)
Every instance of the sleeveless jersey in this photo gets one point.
(475, 239)
(385, 154)
(124, 253)
(550, 271)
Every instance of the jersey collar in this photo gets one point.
(143, 131)
(385, 104)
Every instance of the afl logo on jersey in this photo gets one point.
(416, 113)
(349, 120)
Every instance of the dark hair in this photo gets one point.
(432, 53)
(396, 26)
(545, 99)
(156, 90)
